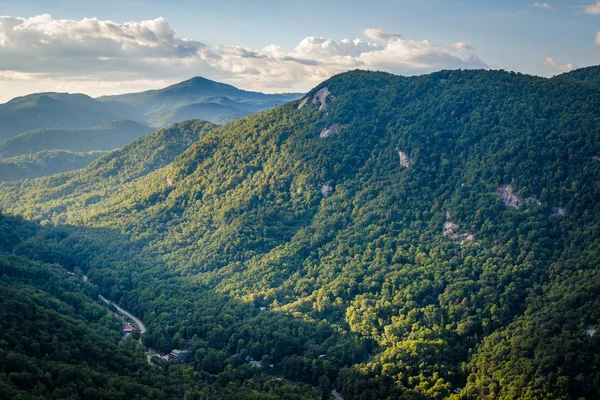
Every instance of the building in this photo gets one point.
(178, 355)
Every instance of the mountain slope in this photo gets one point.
(108, 136)
(193, 91)
(212, 112)
(53, 110)
(43, 163)
(588, 74)
(385, 236)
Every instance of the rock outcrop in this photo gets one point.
(322, 96)
(450, 230)
(326, 190)
(510, 198)
(332, 130)
(404, 158)
(560, 211)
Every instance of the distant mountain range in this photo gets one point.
(55, 110)
(197, 98)
(76, 123)
(108, 136)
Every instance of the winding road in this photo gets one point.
(137, 321)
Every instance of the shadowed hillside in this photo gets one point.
(386, 236)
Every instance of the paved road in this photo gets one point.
(137, 321)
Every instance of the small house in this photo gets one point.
(178, 355)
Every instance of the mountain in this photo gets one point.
(53, 115)
(108, 136)
(43, 163)
(213, 112)
(54, 110)
(197, 98)
(588, 74)
(384, 236)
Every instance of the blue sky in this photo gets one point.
(231, 39)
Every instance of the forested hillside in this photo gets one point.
(108, 136)
(44, 163)
(389, 237)
(588, 74)
(56, 110)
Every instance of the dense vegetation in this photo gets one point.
(57, 341)
(589, 75)
(363, 245)
(43, 163)
(56, 110)
(108, 136)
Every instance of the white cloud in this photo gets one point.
(593, 9)
(544, 5)
(463, 46)
(561, 67)
(378, 34)
(91, 55)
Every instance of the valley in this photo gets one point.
(382, 236)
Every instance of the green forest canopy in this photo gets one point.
(407, 237)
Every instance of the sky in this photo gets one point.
(112, 47)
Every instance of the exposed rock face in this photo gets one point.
(591, 330)
(404, 159)
(509, 196)
(451, 230)
(559, 211)
(326, 190)
(303, 103)
(169, 180)
(533, 200)
(321, 97)
(333, 129)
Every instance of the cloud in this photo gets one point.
(94, 55)
(561, 67)
(545, 6)
(378, 34)
(593, 9)
(463, 46)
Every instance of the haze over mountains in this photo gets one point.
(198, 98)
(382, 236)
(76, 123)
